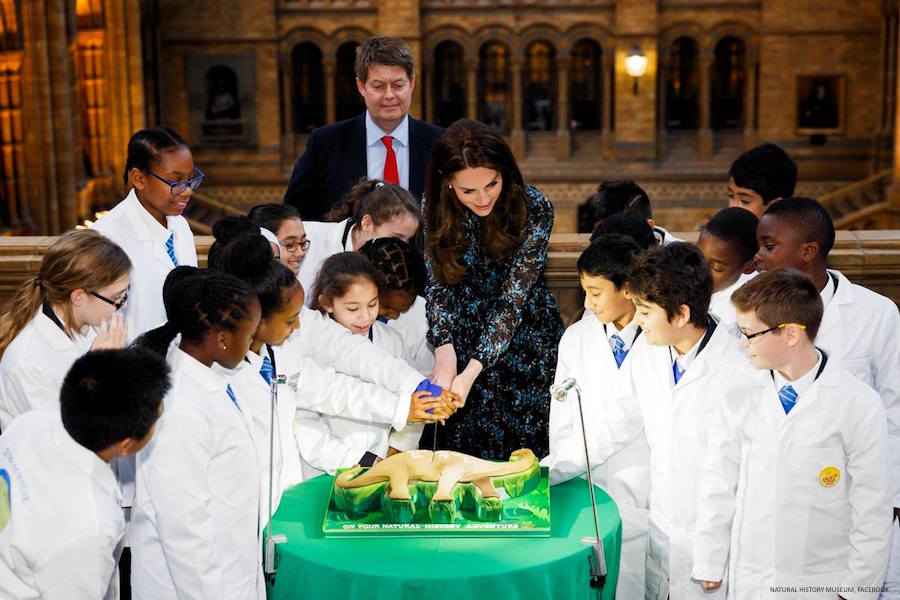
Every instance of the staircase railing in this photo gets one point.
(206, 209)
(858, 200)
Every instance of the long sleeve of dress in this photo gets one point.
(526, 268)
(442, 311)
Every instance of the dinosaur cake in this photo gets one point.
(442, 487)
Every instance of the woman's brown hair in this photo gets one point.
(470, 144)
(81, 259)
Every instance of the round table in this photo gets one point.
(435, 568)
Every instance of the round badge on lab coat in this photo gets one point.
(829, 476)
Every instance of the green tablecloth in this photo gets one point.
(312, 566)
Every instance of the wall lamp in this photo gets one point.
(635, 65)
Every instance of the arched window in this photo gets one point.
(493, 85)
(349, 102)
(540, 87)
(727, 92)
(308, 87)
(449, 83)
(586, 85)
(682, 85)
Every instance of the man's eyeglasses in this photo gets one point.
(294, 246)
(750, 336)
(179, 187)
(113, 303)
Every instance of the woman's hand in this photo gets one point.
(444, 366)
(462, 383)
(710, 586)
(112, 334)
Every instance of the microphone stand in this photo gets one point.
(272, 540)
(560, 392)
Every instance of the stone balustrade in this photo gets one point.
(870, 258)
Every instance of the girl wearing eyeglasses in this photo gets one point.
(284, 221)
(81, 284)
(148, 224)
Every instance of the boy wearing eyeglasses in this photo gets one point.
(795, 492)
(860, 328)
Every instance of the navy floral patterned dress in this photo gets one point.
(503, 315)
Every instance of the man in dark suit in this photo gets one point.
(382, 143)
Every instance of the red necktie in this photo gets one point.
(390, 163)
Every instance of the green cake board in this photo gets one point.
(526, 515)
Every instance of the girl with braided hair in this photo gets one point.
(49, 322)
(400, 303)
(194, 528)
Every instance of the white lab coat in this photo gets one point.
(862, 329)
(34, 365)
(722, 309)
(675, 419)
(254, 393)
(195, 530)
(761, 494)
(340, 438)
(324, 241)
(585, 354)
(128, 225)
(65, 526)
(332, 346)
(413, 327)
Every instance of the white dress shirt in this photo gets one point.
(376, 153)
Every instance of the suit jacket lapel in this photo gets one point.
(356, 161)
(418, 159)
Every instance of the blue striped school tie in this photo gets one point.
(677, 371)
(230, 393)
(619, 351)
(170, 248)
(267, 370)
(788, 398)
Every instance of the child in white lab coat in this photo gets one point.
(284, 221)
(400, 303)
(625, 196)
(683, 364)
(860, 328)
(61, 523)
(371, 209)
(595, 352)
(347, 290)
(759, 177)
(148, 224)
(795, 492)
(728, 241)
(195, 525)
(81, 284)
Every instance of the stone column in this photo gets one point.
(563, 135)
(427, 84)
(662, 131)
(893, 192)
(750, 103)
(471, 88)
(607, 91)
(329, 69)
(63, 140)
(705, 134)
(517, 134)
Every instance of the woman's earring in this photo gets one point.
(449, 186)
(223, 346)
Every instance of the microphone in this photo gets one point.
(560, 393)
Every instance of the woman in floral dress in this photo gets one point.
(493, 323)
